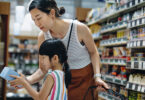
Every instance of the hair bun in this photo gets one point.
(61, 10)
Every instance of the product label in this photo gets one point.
(142, 89)
(143, 43)
(133, 23)
(133, 87)
(127, 86)
(132, 64)
(129, 25)
(140, 64)
(131, 44)
(138, 43)
(134, 43)
(138, 22)
(139, 88)
(143, 65)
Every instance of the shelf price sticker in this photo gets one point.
(138, 43)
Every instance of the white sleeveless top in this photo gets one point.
(78, 56)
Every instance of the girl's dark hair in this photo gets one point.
(46, 6)
(53, 47)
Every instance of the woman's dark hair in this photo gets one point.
(53, 47)
(46, 6)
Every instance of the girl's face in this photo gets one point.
(45, 63)
(42, 20)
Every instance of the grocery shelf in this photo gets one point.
(17, 50)
(136, 43)
(114, 29)
(136, 65)
(117, 13)
(115, 44)
(23, 37)
(136, 22)
(97, 38)
(113, 61)
(135, 87)
(114, 80)
(107, 96)
(113, 64)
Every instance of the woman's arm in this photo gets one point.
(85, 35)
(38, 75)
(44, 92)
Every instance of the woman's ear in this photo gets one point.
(52, 12)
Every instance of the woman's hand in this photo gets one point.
(101, 84)
(18, 82)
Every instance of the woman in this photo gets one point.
(83, 57)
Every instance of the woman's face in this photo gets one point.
(42, 20)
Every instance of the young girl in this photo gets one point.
(54, 56)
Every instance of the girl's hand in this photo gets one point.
(99, 82)
(19, 80)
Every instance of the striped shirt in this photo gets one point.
(78, 55)
(59, 90)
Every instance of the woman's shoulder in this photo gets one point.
(81, 27)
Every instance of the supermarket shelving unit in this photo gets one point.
(133, 44)
(4, 34)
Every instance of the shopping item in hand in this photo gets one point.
(6, 72)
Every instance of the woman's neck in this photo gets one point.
(59, 28)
